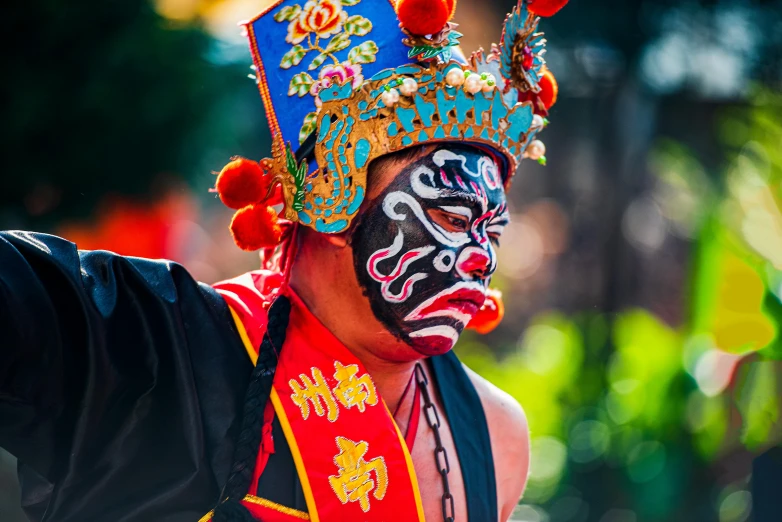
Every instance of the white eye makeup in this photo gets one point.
(460, 211)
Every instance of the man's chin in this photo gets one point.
(434, 340)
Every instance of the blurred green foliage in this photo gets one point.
(645, 408)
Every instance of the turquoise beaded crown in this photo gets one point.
(429, 95)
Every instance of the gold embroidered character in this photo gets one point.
(314, 391)
(354, 481)
(352, 391)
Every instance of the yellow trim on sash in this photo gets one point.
(409, 460)
(252, 499)
(276, 507)
(286, 429)
(245, 339)
(294, 447)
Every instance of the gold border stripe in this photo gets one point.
(409, 460)
(286, 429)
(267, 504)
(276, 507)
(245, 339)
(263, 83)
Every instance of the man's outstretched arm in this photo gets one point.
(110, 363)
(41, 312)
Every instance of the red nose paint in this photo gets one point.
(477, 261)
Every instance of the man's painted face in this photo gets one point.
(424, 249)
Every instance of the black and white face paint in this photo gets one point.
(424, 249)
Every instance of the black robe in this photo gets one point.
(122, 383)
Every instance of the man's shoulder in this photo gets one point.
(503, 412)
(509, 435)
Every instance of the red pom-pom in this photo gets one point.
(546, 7)
(451, 7)
(548, 89)
(241, 183)
(255, 227)
(491, 313)
(422, 17)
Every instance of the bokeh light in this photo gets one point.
(642, 270)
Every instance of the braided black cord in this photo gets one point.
(246, 451)
(232, 511)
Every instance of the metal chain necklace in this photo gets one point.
(440, 456)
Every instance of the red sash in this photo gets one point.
(351, 458)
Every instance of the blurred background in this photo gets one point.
(642, 271)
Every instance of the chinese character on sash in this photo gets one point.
(317, 392)
(351, 391)
(354, 481)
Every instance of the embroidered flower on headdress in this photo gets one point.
(337, 73)
(334, 32)
(322, 17)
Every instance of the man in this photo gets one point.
(323, 387)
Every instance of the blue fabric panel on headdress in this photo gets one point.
(301, 48)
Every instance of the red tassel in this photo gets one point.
(423, 17)
(491, 313)
(242, 182)
(546, 8)
(549, 89)
(255, 227)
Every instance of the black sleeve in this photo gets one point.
(45, 315)
(117, 375)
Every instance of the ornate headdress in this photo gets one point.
(346, 81)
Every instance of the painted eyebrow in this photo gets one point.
(459, 211)
(459, 194)
(500, 220)
(496, 228)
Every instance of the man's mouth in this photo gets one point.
(460, 302)
(469, 304)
